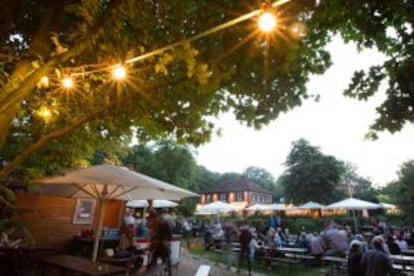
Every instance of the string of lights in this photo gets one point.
(266, 23)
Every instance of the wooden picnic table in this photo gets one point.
(408, 252)
(402, 259)
(68, 263)
(294, 250)
(335, 263)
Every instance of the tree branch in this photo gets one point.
(57, 133)
(16, 94)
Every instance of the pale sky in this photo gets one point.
(335, 124)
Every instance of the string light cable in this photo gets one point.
(119, 71)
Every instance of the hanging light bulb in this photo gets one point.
(119, 73)
(267, 22)
(67, 82)
(45, 113)
(44, 81)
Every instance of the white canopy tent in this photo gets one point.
(216, 207)
(385, 205)
(277, 207)
(311, 206)
(353, 204)
(157, 203)
(258, 207)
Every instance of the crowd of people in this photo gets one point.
(364, 257)
(159, 226)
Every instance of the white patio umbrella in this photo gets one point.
(157, 203)
(311, 206)
(217, 207)
(353, 204)
(385, 205)
(277, 207)
(257, 207)
(105, 182)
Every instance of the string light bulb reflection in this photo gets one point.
(67, 82)
(119, 73)
(267, 22)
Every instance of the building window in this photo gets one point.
(208, 198)
(239, 196)
(223, 197)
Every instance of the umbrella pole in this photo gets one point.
(355, 221)
(98, 229)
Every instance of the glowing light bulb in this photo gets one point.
(67, 82)
(119, 73)
(267, 22)
(45, 113)
(44, 81)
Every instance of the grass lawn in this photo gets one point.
(282, 269)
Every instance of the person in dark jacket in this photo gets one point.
(160, 237)
(392, 245)
(375, 262)
(354, 260)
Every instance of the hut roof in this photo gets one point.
(236, 185)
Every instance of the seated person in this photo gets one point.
(126, 247)
(392, 245)
(6, 241)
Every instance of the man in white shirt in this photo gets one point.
(128, 217)
(402, 244)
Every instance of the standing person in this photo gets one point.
(244, 239)
(169, 219)
(272, 222)
(336, 241)
(375, 262)
(160, 241)
(128, 218)
(253, 246)
(354, 259)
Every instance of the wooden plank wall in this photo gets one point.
(50, 218)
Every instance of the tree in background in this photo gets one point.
(264, 179)
(359, 187)
(170, 162)
(389, 193)
(310, 175)
(403, 189)
(206, 179)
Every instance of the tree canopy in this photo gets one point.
(265, 179)
(175, 83)
(402, 190)
(310, 175)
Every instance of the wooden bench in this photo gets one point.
(203, 270)
(403, 269)
(280, 259)
(127, 262)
